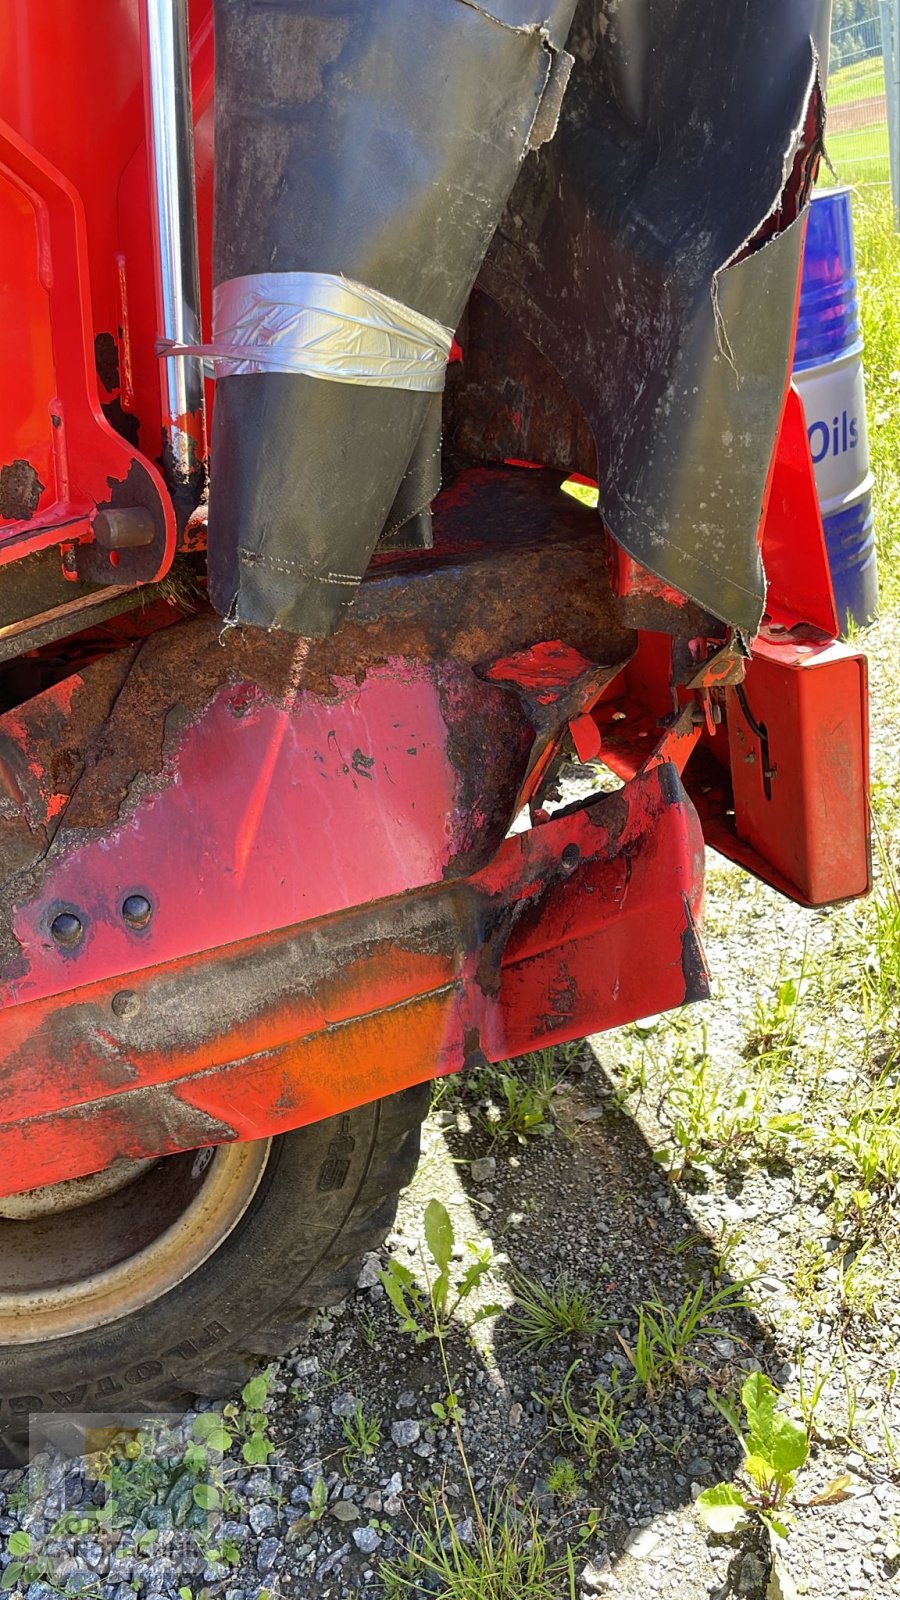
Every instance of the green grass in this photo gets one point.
(506, 1557)
(878, 265)
(859, 156)
(545, 1314)
(860, 81)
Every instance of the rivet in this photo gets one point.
(126, 1003)
(137, 910)
(67, 929)
(571, 857)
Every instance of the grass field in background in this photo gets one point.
(858, 157)
(859, 82)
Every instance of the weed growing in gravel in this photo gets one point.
(428, 1313)
(664, 1349)
(774, 1029)
(713, 1119)
(501, 1555)
(881, 957)
(518, 1095)
(810, 1394)
(544, 1314)
(152, 1479)
(520, 1107)
(595, 1428)
(30, 1565)
(775, 1448)
(362, 1433)
(563, 1480)
(860, 1284)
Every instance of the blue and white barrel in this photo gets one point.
(828, 372)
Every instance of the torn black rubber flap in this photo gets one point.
(652, 253)
(375, 140)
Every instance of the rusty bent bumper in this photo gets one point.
(548, 943)
(249, 882)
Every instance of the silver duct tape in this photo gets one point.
(322, 326)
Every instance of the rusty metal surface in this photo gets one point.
(260, 880)
(546, 943)
(114, 1253)
(216, 751)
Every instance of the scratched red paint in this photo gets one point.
(574, 905)
(364, 786)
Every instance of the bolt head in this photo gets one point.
(137, 910)
(67, 929)
(126, 1004)
(570, 857)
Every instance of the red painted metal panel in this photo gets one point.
(793, 540)
(544, 944)
(274, 815)
(809, 819)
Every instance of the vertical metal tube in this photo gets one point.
(170, 137)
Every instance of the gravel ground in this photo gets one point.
(591, 1197)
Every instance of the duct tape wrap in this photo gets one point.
(322, 326)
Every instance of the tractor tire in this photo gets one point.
(222, 1283)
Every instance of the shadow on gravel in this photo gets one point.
(592, 1203)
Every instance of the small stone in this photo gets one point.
(261, 1517)
(752, 1574)
(267, 1554)
(369, 1273)
(345, 1511)
(406, 1401)
(642, 1543)
(483, 1170)
(344, 1405)
(392, 1506)
(593, 1575)
(465, 1530)
(372, 1502)
(700, 1467)
(158, 1574)
(333, 1561)
(306, 1366)
(394, 1484)
(515, 1414)
(405, 1432)
(367, 1540)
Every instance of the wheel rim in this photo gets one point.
(75, 1259)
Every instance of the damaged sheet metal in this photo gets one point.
(546, 943)
(394, 754)
(651, 252)
(376, 140)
